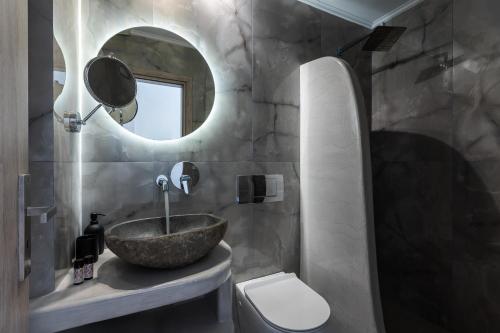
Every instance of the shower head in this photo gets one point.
(383, 38)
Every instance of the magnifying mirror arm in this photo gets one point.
(91, 113)
(73, 121)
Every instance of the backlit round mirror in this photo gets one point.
(175, 87)
(110, 82)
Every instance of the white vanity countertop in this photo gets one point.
(119, 289)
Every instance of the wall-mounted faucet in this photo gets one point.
(162, 182)
(185, 176)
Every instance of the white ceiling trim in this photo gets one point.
(395, 12)
(328, 7)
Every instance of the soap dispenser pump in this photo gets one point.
(94, 228)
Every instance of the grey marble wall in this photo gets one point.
(53, 153)
(254, 49)
(435, 153)
(67, 183)
(41, 144)
(476, 213)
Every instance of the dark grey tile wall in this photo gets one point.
(435, 157)
(41, 143)
(254, 49)
(476, 213)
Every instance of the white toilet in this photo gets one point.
(280, 303)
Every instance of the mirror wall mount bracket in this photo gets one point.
(73, 121)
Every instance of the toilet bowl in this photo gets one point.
(280, 303)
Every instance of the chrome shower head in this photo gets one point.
(383, 38)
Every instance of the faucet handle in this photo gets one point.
(185, 176)
(162, 181)
(185, 183)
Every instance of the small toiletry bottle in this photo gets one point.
(88, 267)
(94, 228)
(87, 245)
(78, 275)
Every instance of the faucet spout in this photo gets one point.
(186, 182)
(162, 182)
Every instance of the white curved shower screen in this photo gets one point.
(337, 233)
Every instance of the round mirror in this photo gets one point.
(175, 87)
(110, 82)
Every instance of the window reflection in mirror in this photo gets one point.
(175, 87)
(162, 102)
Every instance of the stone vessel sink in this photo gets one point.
(145, 243)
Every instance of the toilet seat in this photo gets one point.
(288, 304)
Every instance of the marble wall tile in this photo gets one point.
(102, 141)
(277, 225)
(412, 116)
(414, 235)
(41, 133)
(119, 15)
(42, 235)
(276, 132)
(286, 34)
(67, 220)
(220, 30)
(410, 91)
(40, 65)
(476, 132)
(476, 79)
(123, 191)
(453, 198)
(399, 146)
(41, 136)
(65, 27)
(41, 144)
(66, 146)
(335, 33)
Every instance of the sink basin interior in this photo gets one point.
(145, 242)
(154, 227)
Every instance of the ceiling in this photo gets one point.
(368, 13)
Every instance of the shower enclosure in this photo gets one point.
(436, 153)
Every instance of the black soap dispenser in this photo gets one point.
(94, 228)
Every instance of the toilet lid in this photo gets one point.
(288, 303)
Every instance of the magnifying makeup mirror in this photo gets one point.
(112, 84)
(123, 115)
